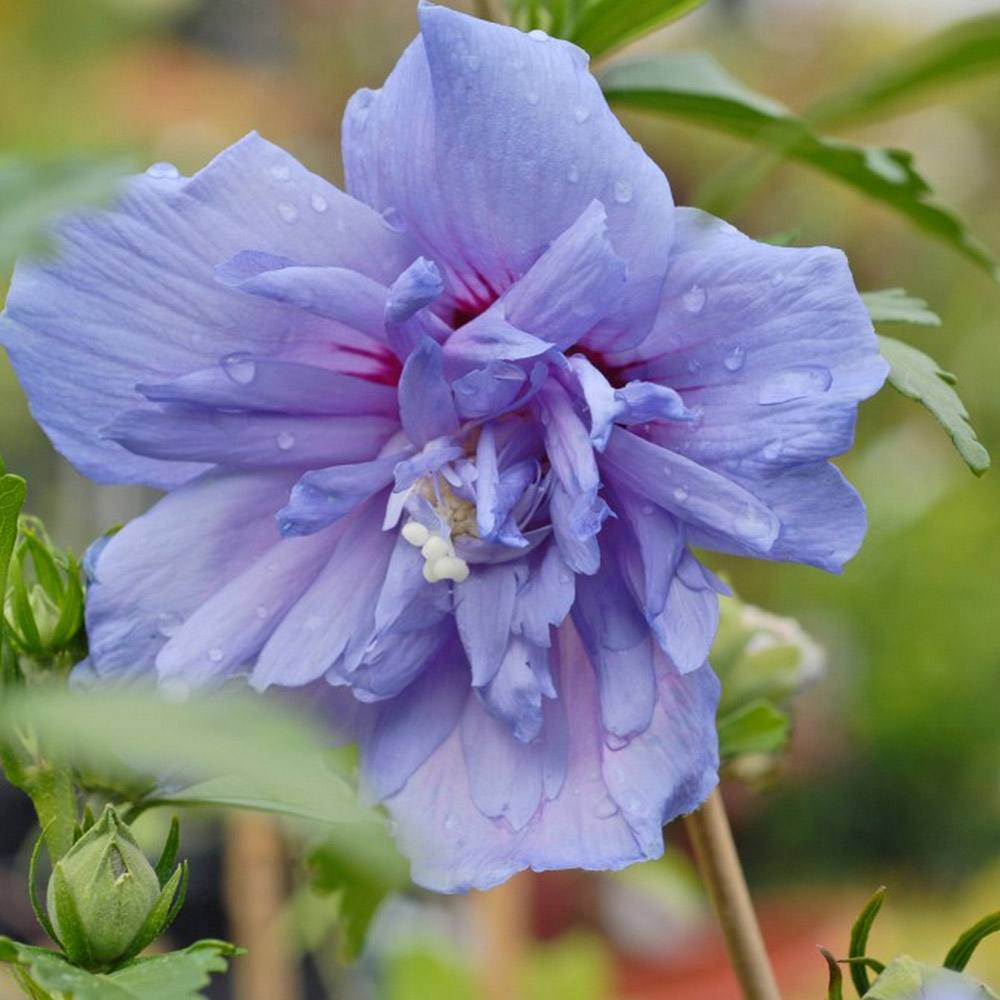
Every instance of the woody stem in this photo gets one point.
(715, 854)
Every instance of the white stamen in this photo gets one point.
(429, 572)
(435, 548)
(415, 533)
(450, 568)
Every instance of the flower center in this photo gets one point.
(458, 514)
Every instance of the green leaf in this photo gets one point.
(418, 974)
(179, 975)
(859, 939)
(359, 893)
(694, 87)
(264, 757)
(601, 25)
(573, 966)
(32, 194)
(965, 50)
(960, 953)
(893, 305)
(919, 377)
(757, 727)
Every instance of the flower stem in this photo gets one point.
(720, 869)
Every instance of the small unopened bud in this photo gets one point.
(104, 898)
(44, 600)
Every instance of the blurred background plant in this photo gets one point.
(894, 770)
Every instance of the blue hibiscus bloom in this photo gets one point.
(444, 441)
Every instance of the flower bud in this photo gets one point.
(43, 605)
(101, 895)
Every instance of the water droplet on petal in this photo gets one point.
(681, 493)
(647, 509)
(163, 171)
(312, 623)
(694, 366)
(260, 611)
(285, 440)
(215, 655)
(473, 62)
(538, 35)
(734, 360)
(777, 278)
(623, 192)
(581, 114)
(281, 172)
(288, 212)
(532, 97)
(168, 622)
(794, 383)
(240, 367)
(752, 522)
(693, 300)
(318, 202)
(606, 808)
(573, 173)
(773, 449)
(392, 219)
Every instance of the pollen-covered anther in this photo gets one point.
(440, 561)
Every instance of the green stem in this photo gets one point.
(720, 869)
(51, 790)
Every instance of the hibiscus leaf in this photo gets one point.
(893, 305)
(178, 975)
(358, 892)
(32, 194)
(961, 951)
(265, 757)
(600, 25)
(919, 377)
(693, 86)
(965, 50)
(756, 727)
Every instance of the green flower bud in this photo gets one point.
(43, 605)
(906, 979)
(104, 898)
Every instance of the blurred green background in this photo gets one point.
(894, 775)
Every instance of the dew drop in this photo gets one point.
(240, 367)
(681, 493)
(260, 611)
(392, 219)
(697, 412)
(623, 192)
(450, 822)
(565, 576)
(794, 383)
(693, 300)
(573, 173)
(215, 655)
(319, 203)
(532, 97)
(581, 114)
(163, 171)
(517, 63)
(538, 35)
(312, 623)
(281, 172)
(777, 278)
(694, 366)
(288, 212)
(734, 360)
(647, 509)
(168, 622)
(285, 440)
(473, 62)
(773, 449)
(606, 808)
(751, 522)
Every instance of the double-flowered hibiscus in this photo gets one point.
(444, 441)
